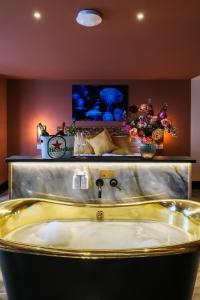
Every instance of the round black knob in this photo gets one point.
(113, 182)
(99, 182)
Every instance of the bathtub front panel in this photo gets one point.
(136, 181)
(32, 277)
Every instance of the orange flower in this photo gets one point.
(149, 140)
(157, 135)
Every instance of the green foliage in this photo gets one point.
(72, 129)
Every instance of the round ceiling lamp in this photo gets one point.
(89, 18)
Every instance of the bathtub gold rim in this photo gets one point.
(12, 208)
(100, 254)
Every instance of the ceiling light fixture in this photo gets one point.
(37, 15)
(89, 18)
(140, 16)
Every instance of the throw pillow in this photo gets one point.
(102, 143)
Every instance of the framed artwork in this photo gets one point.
(99, 102)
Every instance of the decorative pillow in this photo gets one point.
(102, 143)
(122, 141)
(123, 144)
(87, 149)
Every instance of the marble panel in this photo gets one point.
(137, 181)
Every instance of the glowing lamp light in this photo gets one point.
(37, 15)
(140, 16)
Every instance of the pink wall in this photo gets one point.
(49, 102)
(3, 131)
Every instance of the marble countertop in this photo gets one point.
(96, 159)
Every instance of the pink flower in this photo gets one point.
(133, 132)
(147, 140)
(144, 139)
(165, 123)
(154, 118)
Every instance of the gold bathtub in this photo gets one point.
(48, 272)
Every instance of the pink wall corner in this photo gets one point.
(195, 136)
(3, 131)
(49, 102)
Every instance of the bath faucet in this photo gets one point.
(114, 183)
(99, 184)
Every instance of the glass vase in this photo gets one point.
(148, 150)
(135, 144)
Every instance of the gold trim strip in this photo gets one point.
(189, 181)
(10, 180)
(61, 197)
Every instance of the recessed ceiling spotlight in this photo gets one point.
(37, 15)
(140, 16)
(89, 18)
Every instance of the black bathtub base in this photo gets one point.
(35, 277)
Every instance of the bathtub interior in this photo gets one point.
(106, 225)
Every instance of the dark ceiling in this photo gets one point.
(166, 45)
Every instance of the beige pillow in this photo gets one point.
(102, 143)
(122, 141)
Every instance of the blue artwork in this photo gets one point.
(99, 102)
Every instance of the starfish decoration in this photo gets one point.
(57, 145)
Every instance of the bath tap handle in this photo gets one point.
(99, 184)
(114, 183)
(99, 192)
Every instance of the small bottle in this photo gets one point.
(84, 181)
(76, 181)
(43, 129)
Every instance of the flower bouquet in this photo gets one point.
(141, 122)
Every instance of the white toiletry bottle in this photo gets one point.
(84, 181)
(76, 181)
